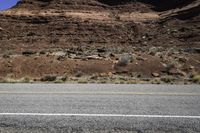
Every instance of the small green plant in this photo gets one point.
(167, 79)
(156, 81)
(196, 78)
(103, 81)
(24, 80)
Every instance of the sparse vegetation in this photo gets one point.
(132, 82)
(12, 80)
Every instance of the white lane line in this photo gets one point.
(100, 115)
(105, 93)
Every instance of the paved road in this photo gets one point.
(99, 108)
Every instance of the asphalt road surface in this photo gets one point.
(99, 108)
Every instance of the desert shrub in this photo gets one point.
(49, 78)
(196, 78)
(125, 59)
(167, 79)
(25, 80)
(153, 51)
(28, 52)
(157, 81)
(79, 74)
(6, 55)
(62, 78)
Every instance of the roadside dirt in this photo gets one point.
(157, 40)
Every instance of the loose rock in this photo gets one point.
(155, 74)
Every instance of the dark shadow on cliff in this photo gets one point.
(158, 5)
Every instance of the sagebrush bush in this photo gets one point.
(125, 59)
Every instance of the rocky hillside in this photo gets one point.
(102, 32)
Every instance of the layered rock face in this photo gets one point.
(41, 24)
